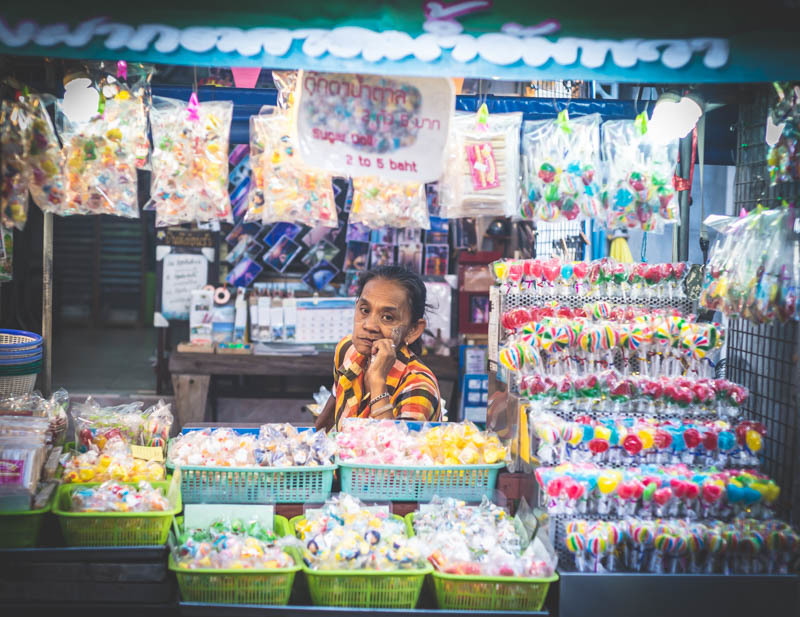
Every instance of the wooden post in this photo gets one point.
(46, 385)
(191, 396)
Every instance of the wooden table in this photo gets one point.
(191, 375)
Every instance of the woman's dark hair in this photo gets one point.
(411, 282)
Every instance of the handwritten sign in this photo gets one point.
(182, 274)
(367, 125)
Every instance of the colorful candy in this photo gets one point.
(114, 497)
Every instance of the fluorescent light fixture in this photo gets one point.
(81, 99)
(674, 116)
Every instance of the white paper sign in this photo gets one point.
(367, 125)
(182, 274)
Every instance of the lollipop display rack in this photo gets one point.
(646, 463)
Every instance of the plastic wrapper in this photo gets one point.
(477, 540)
(15, 130)
(391, 443)
(222, 447)
(116, 497)
(639, 192)
(101, 154)
(783, 157)
(753, 268)
(345, 535)
(190, 161)
(22, 455)
(95, 425)
(560, 168)
(286, 84)
(379, 203)
(55, 409)
(481, 176)
(46, 161)
(283, 188)
(282, 445)
(114, 462)
(230, 545)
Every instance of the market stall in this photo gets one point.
(600, 458)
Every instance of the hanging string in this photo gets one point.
(643, 256)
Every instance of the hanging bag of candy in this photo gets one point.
(542, 158)
(15, 128)
(379, 203)
(481, 176)
(291, 191)
(639, 192)
(190, 160)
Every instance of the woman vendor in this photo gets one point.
(377, 372)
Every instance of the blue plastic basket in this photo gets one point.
(19, 339)
(399, 483)
(24, 358)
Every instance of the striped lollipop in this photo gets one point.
(600, 310)
(561, 337)
(608, 337)
(532, 358)
(510, 358)
(546, 339)
(575, 543)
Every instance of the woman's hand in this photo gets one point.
(384, 354)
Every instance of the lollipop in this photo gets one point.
(576, 544)
(510, 358)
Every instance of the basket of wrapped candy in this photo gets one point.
(234, 562)
(481, 561)
(116, 514)
(360, 557)
(386, 460)
(282, 464)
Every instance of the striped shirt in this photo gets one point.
(412, 387)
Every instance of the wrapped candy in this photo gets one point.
(282, 445)
(95, 425)
(379, 203)
(387, 442)
(344, 535)
(560, 158)
(101, 153)
(46, 161)
(283, 188)
(221, 447)
(114, 462)
(477, 539)
(783, 156)
(34, 404)
(15, 132)
(230, 545)
(639, 192)
(482, 174)
(114, 497)
(746, 280)
(190, 161)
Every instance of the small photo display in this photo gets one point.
(342, 193)
(318, 234)
(381, 255)
(356, 256)
(465, 234)
(251, 229)
(383, 236)
(282, 253)
(410, 257)
(436, 256)
(438, 233)
(254, 249)
(350, 287)
(356, 232)
(244, 273)
(236, 253)
(321, 251)
(479, 309)
(432, 195)
(320, 275)
(279, 230)
(409, 236)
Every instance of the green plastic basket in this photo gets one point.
(398, 483)
(214, 586)
(20, 529)
(255, 484)
(364, 588)
(486, 593)
(113, 528)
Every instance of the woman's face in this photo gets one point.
(382, 308)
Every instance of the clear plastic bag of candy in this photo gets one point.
(284, 189)
(95, 425)
(783, 157)
(482, 166)
(379, 203)
(115, 497)
(103, 147)
(561, 160)
(639, 191)
(190, 161)
(15, 130)
(286, 83)
(34, 404)
(46, 160)
(221, 447)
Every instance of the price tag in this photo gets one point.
(148, 453)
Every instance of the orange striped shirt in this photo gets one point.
(412, 387)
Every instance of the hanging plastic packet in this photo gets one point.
(291, 191)
(190, 161)
(14, 171)
(99, 152)
(783, 156)
(482, 172)
(380, 203)
(46, 160)
(285, 82)
(639, 191)
(560, 158)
